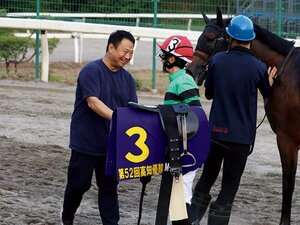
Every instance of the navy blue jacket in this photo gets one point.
(89, 131)
(232, 82)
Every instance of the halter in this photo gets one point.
(218, 45)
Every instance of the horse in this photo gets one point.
(282, 107)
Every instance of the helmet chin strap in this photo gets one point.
(230, 43)
(168, 65)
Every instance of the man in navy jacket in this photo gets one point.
(232, 82)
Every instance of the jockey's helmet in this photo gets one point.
(178, 46)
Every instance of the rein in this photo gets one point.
(280, 72)
(144, 181)
(277, 76)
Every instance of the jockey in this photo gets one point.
(175, 52)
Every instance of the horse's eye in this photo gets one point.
(210, 39)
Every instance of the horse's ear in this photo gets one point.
(219, 17)
(206, 19)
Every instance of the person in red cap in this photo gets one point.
(175, 52)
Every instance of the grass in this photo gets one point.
(144, 80)
(54, 78)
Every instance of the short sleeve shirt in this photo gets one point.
(89, 131)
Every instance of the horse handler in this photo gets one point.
(102, 86)
(232, 81)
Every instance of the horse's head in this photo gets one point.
(212, 40)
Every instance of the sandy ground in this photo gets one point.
(34, 133)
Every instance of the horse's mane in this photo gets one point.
(275, 42)
(272, 40)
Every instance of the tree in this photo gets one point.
(15, 50)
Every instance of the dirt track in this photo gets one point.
(34, 132)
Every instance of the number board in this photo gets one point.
(138, 143)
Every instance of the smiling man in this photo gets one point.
(102, 86)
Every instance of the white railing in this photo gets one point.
(86, 28)
(54, 25)
(137, 16)
(78, 29)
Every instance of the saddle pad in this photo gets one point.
(137, 144)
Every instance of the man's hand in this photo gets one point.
(272, 72)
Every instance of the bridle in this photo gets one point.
(203, 51)
(221, 43)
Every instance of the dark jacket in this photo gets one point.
(232, 82)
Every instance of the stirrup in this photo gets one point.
(186, 153)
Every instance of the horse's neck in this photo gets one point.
(269, 56)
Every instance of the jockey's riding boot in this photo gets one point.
(180, 222)
(185, 222)
(199, 205)
(219, 214)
